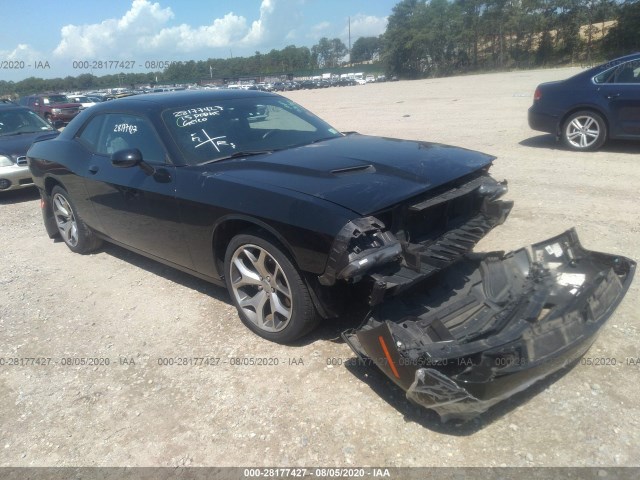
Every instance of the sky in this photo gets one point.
(55, 39)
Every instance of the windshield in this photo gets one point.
(17, 121)
(222, 129)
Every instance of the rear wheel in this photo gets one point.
(271, 297)
(584, 131)
(73, 231)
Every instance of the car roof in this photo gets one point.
(589, 73)
(163, 100)
(12, 106)
(618, 61)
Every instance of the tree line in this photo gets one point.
(441, 37)
(422, 39)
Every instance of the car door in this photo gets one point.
(136, 207)
(623, 96)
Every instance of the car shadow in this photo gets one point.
(542, 141)
(549, 142)
(331, 330)
(328, 329)
(396, 398)
(168, 273)
(19, 196)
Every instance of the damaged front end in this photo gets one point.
(413, 240)
(492, 324)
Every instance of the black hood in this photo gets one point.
(364, 174)
(17, 145)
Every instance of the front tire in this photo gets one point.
(72, 229)
(584, 131)
(271, 297)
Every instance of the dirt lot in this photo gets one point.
(120, 306)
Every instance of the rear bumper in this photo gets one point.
(543, 122)
(494, 324)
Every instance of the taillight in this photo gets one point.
(537, 95)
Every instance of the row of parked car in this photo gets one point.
(583, 112)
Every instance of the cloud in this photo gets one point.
(319, 30)
(184, 38)
(120, 36)
(366, 26)
(23, 52)
(146, 29)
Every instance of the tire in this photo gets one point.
(584, 131)
(72, 229)
(47, 119)
(272, 299)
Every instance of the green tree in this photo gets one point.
(365, 48)
(401, 53)
(329, 53)
(624, 37)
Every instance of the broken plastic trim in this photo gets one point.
(494, 324)
(395, 262)
(361, 245)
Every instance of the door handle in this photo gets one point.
(613, 95)
(93, 169)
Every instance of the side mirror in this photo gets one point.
(126, 158)
(131, 157)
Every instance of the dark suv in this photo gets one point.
(54, 108)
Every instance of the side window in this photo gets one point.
(89, 136)
(628, 73)
(122, 131)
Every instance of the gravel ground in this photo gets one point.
(117, 305)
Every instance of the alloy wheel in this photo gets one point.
(583, 131)
(65, 219)
(261, 288)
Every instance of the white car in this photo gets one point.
(19, 128)
(82, 99)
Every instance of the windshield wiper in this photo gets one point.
(246, 153)
(23, 133)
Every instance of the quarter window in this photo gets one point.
(628, 73)
(90, 134)
(112, 132)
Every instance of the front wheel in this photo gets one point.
(584, 131)
(271, 297)
(75, 233)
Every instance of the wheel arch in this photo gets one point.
(50, 183)
(47, 208)
(230, 226)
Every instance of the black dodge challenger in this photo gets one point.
(250, 190)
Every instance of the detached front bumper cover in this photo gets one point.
(493, 324)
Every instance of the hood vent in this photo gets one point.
(354, 169)
(21, 161)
